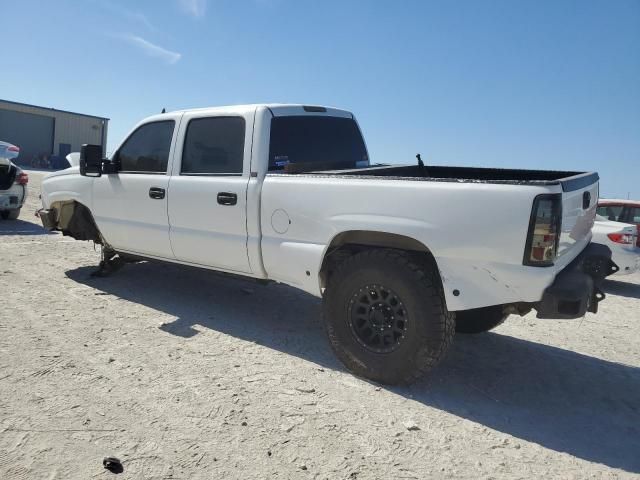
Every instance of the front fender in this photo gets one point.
(67, 185)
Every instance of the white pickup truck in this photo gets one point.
(403, 256)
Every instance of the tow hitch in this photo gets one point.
(576, 290)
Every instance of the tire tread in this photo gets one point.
(428, 277)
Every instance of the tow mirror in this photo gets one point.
(91, 160)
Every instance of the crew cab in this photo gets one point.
(402, 255)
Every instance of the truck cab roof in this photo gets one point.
(277, 109)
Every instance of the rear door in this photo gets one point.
(130, 206)
(208, 190)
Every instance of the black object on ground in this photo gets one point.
(112, 464)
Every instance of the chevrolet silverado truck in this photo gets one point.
(403, 256)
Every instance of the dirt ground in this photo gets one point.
(183, 373)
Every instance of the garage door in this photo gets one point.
(32, 133)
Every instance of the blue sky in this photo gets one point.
(527, 84)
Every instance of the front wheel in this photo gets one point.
(479, 320)
(386, 316)
(10, 214)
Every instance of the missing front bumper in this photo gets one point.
(48, 217)
(576, 290)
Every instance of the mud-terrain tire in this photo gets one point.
(10, 214)
(479, 320)
(386, 289)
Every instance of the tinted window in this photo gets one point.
(610, 212)
(147, 149)
(214, 145)
(315, 143)
(634, 215)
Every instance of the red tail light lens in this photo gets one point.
(623, 238)
(544, 231)
(13, 148)
(22, 178)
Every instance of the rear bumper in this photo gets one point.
(576, 290)
(628, 261)
(12, 198)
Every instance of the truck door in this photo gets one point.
(208, 191)
(130, 206)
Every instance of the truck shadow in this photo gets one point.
(20, 227)
(559, 399)
(622, 288)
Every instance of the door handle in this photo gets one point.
(227, 198)
(156, 193)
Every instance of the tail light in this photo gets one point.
(544, 231)
(22, 178)
(13, 148)
(623, 238)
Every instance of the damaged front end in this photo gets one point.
(72, 219)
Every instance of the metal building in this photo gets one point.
(42, 132)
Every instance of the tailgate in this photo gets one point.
(579, 202)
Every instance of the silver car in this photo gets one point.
(13, 182)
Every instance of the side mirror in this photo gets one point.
(91, 160)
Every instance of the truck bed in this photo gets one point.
(569, 180)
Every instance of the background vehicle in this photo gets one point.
(621, 238)
(287, 193)
(13, 183)
(625, 211)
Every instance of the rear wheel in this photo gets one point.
(10, 214)
(479, 320)
(386, 316)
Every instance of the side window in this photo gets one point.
(610, 212)
(147, 149)
(634, 215)
(213, 145)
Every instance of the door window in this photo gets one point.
(147, 149)
(214, 145)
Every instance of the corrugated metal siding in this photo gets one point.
(74, 129)
(32, 133)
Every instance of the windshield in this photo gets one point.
(307, 143)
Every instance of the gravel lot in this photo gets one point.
(183, 373)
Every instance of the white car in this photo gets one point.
(402, 255)
(13, 183)
(621, 238)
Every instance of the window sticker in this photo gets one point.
(281, 160)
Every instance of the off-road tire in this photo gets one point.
(479, 320)
(10, 214)
(429, 329)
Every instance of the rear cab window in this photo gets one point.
(147, 149)
(308, 143)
